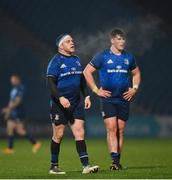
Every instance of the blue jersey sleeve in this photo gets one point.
(96, 61)
(133, 64)
(20, 91)
(53, 68)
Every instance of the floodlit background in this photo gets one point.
(28, 29)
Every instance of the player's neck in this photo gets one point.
(65, 53)
(115, 50)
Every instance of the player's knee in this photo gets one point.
(111, 130)
(121, 131)
(57, 136)
(57, 139)
(10, 131)
(78, 133)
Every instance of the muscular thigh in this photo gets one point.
(110, 123)
(121, 124)
(78, 124)
(78, 129)
(58, 132)
(20, 127)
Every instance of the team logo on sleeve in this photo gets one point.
(126, 61)
(110, 61)
(63, 66)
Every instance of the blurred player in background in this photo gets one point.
(14, 116)
(119, 80)
(66, 81)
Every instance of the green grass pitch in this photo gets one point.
(145, 158)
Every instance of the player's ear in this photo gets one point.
(61, 47)
(112, 40)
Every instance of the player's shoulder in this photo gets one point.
(128, 55)
(55, 60)
(56, 57)
(21, 87)
(102, 54)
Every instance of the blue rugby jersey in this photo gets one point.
(67, 70)
(15, 92)
(114, 72)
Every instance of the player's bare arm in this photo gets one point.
(11, 105)
(88, 73)
(85, 92)
(136, 82)
(15, 103)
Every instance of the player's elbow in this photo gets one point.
(86, 73)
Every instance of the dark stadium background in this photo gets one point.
(28, 30)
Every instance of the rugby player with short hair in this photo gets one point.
(66, 81)
(119, 80)
(14, 116)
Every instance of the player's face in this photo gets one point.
(68, 45)
(14, 80)
(118, 42)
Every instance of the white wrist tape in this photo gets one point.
(135, 86)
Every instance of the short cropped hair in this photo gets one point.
(117, 31)
(16, 76)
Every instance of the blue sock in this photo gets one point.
(55, 149)
(10, 141)
(30, 138)
(82, 152)
(115, 157)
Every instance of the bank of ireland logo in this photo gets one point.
(126, 61)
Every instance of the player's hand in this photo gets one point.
(129, 94)
(103, 93)
(5, 110)
(87, 102)
(64, 102)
